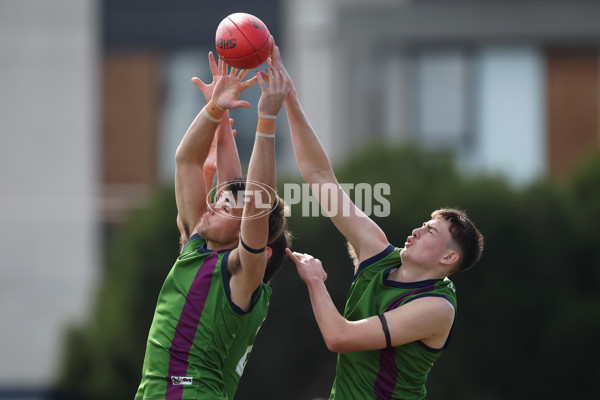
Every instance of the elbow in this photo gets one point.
(333, 346)
(317, 176)
(183, 157)
(308, 176)
(180, 156)
(315, 170)
(337, 343)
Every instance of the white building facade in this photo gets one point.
(485, 79)
(48, 183)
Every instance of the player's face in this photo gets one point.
(221, 223)
(428, 244)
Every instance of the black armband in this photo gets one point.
(250, 249)
(384, 325)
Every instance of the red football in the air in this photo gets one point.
(243, 40)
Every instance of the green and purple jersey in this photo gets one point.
(199, 340)
(394, 372)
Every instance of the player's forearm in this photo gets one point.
(331, 323)
(261, 167)
(190, 157)
(310, 155)
(260, 192)
(195, 145)
(228, 160)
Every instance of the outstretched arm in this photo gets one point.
(228, 159)
(364, 234)
(260, 191)
(428, 319)
(190, 184)
(223, 158)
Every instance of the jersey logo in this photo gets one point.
(182, 380)
(242, 364)
(451, 286)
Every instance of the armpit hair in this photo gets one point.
(352, 254)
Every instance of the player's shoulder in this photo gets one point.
(443, 293)
(387, 257)
(446, 287)
(435, 308)
(447, 284)
(193, 244)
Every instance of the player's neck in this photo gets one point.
(217, 246)
(414, 273)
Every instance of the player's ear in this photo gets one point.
(269, 252)
(451, 257)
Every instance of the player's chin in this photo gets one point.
(202, 230)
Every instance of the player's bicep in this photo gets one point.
(247, 275)
(422, 319)
(363, 335)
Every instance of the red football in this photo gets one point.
(243, 40)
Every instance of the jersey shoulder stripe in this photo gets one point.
(373, 260)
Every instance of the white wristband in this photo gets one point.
(265, 135)
(206, 115)
(267, 116)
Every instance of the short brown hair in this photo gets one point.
(280, 237)
(465, 235)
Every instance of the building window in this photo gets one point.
(442, 97)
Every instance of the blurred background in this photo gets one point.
(492, 106)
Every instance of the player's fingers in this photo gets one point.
(213, 64)
(273, 78)
(196, 81)
(277, 79)
(240, 103)
(233, 71)
(303, 257)
(287, 83)
(275, 55)
(249, 82)
(291, 255)
(242, 74)
(261, 81)
(264, 76)
(222, 66)
(273, 45)
(280, 75)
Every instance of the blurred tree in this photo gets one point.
(527, 315)
(103, 359)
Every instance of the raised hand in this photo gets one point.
(227, 89)
(275, 86)
(309, 268)
(207, 89)
(275, 62)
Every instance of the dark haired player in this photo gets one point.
(401, 307)
(216, 296)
